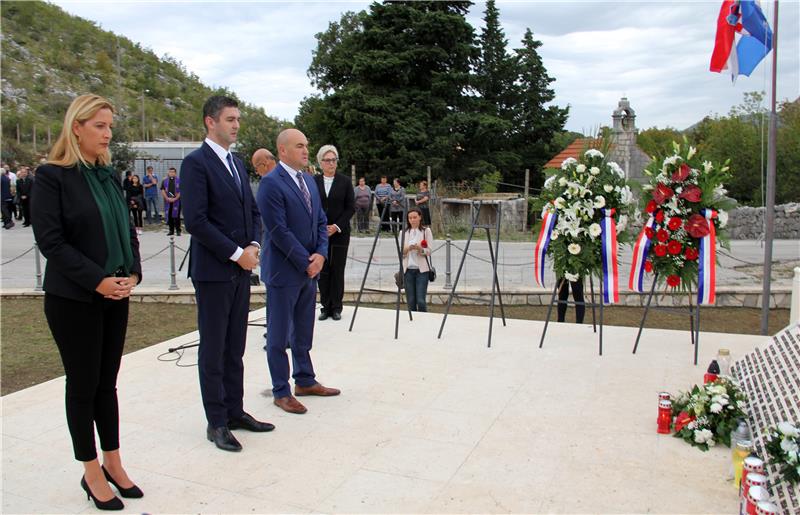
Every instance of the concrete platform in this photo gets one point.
(422, 426)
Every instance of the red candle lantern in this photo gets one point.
(664, 416)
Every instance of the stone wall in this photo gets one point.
(458, 213)
(747, 223)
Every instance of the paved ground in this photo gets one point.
(422, 426)
(739, 267)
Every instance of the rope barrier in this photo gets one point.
(156, 254)
(16, 258)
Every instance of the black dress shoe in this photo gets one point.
(223, 439)
(247, 422)
(336, 315)
(113, 504)
(323, 316)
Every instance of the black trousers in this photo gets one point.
(331, 279)
(8, 216)
(222, 309)
(90, 338)
(137, 216)
(577, 296)
(174, 222)
(25, 206)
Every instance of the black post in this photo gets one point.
(458, 274)
(558, 286)
(591, 289)
(366, 272)
(646, 309)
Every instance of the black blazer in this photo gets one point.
(69, 231)
(339, 205)
(219, 216)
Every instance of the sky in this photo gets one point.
(655, 53)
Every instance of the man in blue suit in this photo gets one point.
(296, 245)
(222, 217)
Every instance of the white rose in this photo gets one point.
(562, 181)
(788, 429)
(594, 170)
(593, 153)
(549, 182)
(560, 203)
(623, 222)
(574, 249)
(567, 162)
(715, 407)
(723, 218)
(595, 230)
(608, 188)
(616, 169)
(571, 277)
(580, 168)
(599, 201)
(788, 445)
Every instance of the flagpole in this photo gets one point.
(769, 225)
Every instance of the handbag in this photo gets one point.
(398, 280)
(431, 270)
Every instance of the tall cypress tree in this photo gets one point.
(535, 123)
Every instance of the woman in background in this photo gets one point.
(397, 197)
(134, 193)
(363, 200)
(416, 253)
(82, 227)
(423, 201)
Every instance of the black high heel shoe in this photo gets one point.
(113, 504)
(133, 492)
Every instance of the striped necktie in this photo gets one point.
(306, 194)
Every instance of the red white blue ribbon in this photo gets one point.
(542, 242)
(640, 250)
(707, 276)
(608, 233)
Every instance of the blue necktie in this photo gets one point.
(234, 172)
(306, 195)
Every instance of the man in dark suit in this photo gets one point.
(296, 246)
(222, 217)
(338, 202)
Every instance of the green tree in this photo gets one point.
(393, 82)
(657, 142)
(536, 120)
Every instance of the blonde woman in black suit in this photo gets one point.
(82, 226)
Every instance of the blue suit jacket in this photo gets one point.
(291, 233)
(218, 217)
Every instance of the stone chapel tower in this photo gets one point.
(625, 151)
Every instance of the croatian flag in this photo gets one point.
(755, 38)
(542, 242)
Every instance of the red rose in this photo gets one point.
(660, 250)
(691, 193)
(651, 206)
(682, 419)
(424, 244)
(690, 253)
(681, 173)
(673, 281)
(648, 266)
(662, 193)
(697, 226)
(674, 223)
(660, 217)
(649, 232)
(662, 235)
(674, 247)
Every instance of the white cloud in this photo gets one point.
(655, 53)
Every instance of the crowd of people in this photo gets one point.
(15, 193)
(296, 229)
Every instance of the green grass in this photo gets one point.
(29, 356)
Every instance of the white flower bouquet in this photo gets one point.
(707, 414)
(782, 443)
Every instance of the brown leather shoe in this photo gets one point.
(315, 389)
(290, 405)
